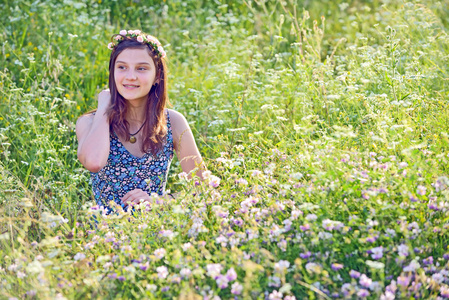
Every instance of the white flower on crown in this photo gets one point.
(161, 51)
(153, 40)
(123, 32)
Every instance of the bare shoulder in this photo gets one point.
(177, 120)
(179, 126)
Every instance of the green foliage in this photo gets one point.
(326, 121)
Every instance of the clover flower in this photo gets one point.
(363, 293)
(144, 267)
(441, 184)
(183, 176)
(438, 277)
(236, 288)
(256, 173)
(79, 256)
(403, 250)
(354, 274)
(165, 289)
(421, 190)
(221, 240)
(403, 281)
(168, 234)
(31, 293)
(371, 239)
(304, 227)
(347, 289)
(275, 295)
(390, 233)
(107, 265)
(413, 266)
(21, 274)
(365, 281)
(214, 181)
(288, 224)
(428, 260)
(281, 266)
(185, 273)
(238, 222)
(311, 217)
(312, 267)
(162, 272)
(160, 253)
(295, 214)
(109, 237)
(274, 281)
(377, 252)
(231, 275)
(13, 267)
(444, 290)
(186, 246)
(222, 281)
(151, 287)
(213, 270)
(336, 266)
(387, 296)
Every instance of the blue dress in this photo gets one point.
(125, 172)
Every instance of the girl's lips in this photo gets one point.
(130, 86)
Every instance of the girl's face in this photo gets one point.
(134, 74)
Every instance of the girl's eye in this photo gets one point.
(123, 68)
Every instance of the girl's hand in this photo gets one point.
(104, 99)
(134, 197)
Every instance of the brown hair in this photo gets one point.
(154, 129)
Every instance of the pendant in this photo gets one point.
(132, 139)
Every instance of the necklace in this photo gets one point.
(132, 138)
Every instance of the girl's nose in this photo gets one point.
(131, 74)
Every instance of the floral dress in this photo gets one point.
(125, 172)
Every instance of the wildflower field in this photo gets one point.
(326, 124)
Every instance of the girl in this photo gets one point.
(127, 143)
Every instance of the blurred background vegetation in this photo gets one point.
(366, 75)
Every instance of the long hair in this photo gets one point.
(154, 130)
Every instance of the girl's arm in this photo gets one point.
(185, 146)
(92, 132)
(186, 150)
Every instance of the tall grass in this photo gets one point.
(327, 123)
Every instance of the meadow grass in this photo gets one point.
(326, 121)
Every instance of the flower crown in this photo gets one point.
(141, 38)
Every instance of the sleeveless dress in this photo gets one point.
(125, 172)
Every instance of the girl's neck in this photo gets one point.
(136, 113)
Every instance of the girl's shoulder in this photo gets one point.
(177, 121)
(176, 118)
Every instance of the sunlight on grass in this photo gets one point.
(326, 124)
